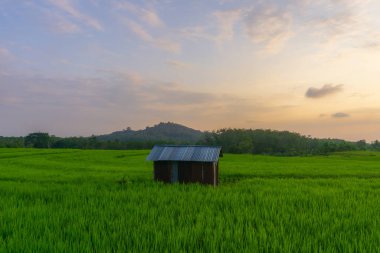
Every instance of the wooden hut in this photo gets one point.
(186, 164)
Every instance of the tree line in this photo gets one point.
(44, 140)
(237, 141)
(282, 143)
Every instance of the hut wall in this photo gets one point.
(162, 171)
(207, 173)
(184, 172)
(188, 172)
(197, 172)
(217, 172)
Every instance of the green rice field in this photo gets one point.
(106, 201)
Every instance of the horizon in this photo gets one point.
(182, 125)
(81, 68)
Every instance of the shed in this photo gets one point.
(186, 164)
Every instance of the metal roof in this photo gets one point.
(185, 153)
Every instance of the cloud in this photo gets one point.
(132, 78)
(62, 25)
(372, 45)
(270, 26)
(173, 94)
(117, 90)
(335, 27)
(221, 28)
(372, 40)
(67, 7)
(339, 115)
(147, 15)
(326, 90)
(177, 64)
(5, 53)
(139, 30)
(336, 24)
(147, 25)
(5, 57)
(266, 24)
(226, 22)
(198, 33)
(159, 42)
(31, 102)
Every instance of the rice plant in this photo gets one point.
(106, 201)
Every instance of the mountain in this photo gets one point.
(162, 132)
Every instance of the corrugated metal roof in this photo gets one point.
(185, 153)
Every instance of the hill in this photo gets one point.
(162, 132)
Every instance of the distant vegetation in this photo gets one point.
(256, 141)
(282, 143)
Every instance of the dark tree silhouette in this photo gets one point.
(37, 140)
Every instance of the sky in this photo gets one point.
(83, 67)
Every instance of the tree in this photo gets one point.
(37, 140)
(376, 145)
(362, 145)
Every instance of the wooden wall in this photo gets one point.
(188, 172)
(162, 171)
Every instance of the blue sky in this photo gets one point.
(75, 67)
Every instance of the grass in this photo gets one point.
(106, 201)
